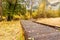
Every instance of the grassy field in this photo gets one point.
(50, 21)
(11, 30)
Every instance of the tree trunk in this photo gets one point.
(0, 10)
(31, 9)
(10, 16)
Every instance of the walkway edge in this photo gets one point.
(25, 33)
(55, 27)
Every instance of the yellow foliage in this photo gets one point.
(28, 15)
(54, 13)
(34, 14)
(3, 18)
(22, 17)
(11, 30)
(42, 6)
(16, 16)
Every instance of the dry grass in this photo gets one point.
(11, 30)
(50, 21)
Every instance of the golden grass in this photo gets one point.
(11, 30)
(50, 21)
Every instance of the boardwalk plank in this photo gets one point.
(39, 32)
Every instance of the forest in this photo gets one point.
(29, 19)
(26, 9)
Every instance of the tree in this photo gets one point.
(32, 1)
(0, 9)
(41, 8)
(13, 7)
(30, 5)
(59, 10)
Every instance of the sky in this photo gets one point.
(50, 1)
(53, 1)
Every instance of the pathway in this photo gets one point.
(36, 31)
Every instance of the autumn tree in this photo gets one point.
(0, 9)
(41, 9)
(13, 7)
(59, 10)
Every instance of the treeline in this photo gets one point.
(17, 9)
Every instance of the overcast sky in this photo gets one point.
(53, 1)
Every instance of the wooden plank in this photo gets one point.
(39, 32)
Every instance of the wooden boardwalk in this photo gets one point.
(34, 31)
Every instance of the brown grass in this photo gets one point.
(50, 21)
(11, 30)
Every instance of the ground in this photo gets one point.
(11, 30)
(50, 21)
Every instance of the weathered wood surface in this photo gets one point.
(36, 31)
